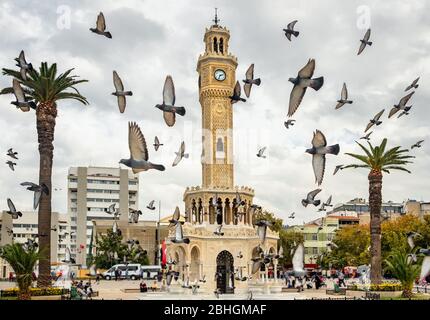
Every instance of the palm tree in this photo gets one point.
(403, 268)
(378, 160)
(23, 263)
(46, 88)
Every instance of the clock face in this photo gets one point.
(219, 75)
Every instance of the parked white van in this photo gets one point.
(128, 271)
(150, 272)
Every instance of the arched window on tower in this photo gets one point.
(221, 45)
(220, 153)
(215, 44)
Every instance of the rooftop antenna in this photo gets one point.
(216, 20)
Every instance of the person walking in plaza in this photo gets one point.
(341, 278)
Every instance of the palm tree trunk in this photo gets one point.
(45, 117)
(375, 200)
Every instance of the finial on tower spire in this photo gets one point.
(216, 20)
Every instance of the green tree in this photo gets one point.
(289, 239)
(268, 216)
(23, 263)
(46, 89)
(110, 250)
(350, 247)
(378, 160)
(404, 269)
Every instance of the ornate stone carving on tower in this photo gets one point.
(215, 201)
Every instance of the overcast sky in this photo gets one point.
(152, 39)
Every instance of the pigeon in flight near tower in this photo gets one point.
(180, 154)
(168, 106)
(12, 210)
(290, 30)
(150, 206)
(101, 27)
(157, 143)
(38, 190)
(301, 83)
(235, 97)
(249, 81)
(365, 41)
(139, 157)
(318, 151)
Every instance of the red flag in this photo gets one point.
(163, 253)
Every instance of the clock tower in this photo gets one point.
(213, 205)
(217, 78)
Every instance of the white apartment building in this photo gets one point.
(90, 191)
(26, 227)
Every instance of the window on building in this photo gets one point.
(314, 236)
(314, 250)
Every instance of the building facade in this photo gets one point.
(90, 191)
(26, 227)
(207, 253)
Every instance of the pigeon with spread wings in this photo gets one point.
(401, 105)
(23, 65)
(235, 97)
(38, 190)
(138, 160)
(168, 106)
(301, 83)
(157, 143)
(365, 41)
(249, 81)
(180, 154)
(12, 210)
(21, 100)
(414, 84)
(343, 97)
(375, 120)
(179, 235)
(12, 154)
(417, 144)
(101, 27)
(290, 30)
(318, 151)
(310, 198)
(119, 92)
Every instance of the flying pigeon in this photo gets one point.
(365, 41)
(168, 107)
(11, 165)
(301, 83)
(134, 215)
(12, 210)
(203, 279)
(404, 113)
(239, 274)
(298, 261)
(101, 26)
(375, 120)
(21, 101)
(119, 92)
(179, 235)
(150, 206)
(410, 237)
(401, 105)
(9, 231)
(12, 154)
(414, 85)
(417, 144)
(24, 66)
(332, 245)
(256, 265)
(366, 137)
(239, 202)
(115, 228)
(217, 231)
(239, 255)
(318, 151)
(310, 198)
(262, 229)
(292, 215)
(170, 261)
(328, 202)
(260, 153)
(290, 30)
(249, 81)
(138, 160)
(30, 244)
(425, 266)
(289, 122)
(175, 218)
(343, 97)
(180, 154)
(54, 228)
(337, 168)
(157, 143)
(111, 209)
(235, 97)
(38, 190)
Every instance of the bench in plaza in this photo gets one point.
(339, 292)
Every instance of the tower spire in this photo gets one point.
(216, 20)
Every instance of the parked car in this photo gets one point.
(150, 272)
